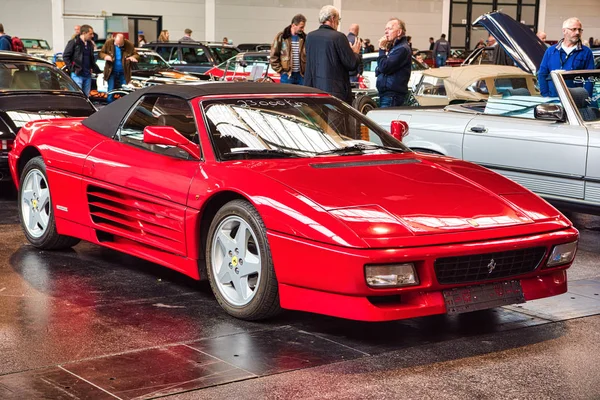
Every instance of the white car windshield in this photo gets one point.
(584, 89)
(276, 127)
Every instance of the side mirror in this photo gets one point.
(169, 136)
(399, 129)
(549, 112)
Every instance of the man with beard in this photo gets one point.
(568, 54)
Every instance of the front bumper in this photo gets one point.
(330, 280)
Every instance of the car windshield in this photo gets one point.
(584, 90)
(223, 53)
(277, 127)
(27, 76)
(35, 44)
(149, 61)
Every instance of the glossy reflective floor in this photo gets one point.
(93, 323)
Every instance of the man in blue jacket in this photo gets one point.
(5, 40)
(393, 65)
(568, 54)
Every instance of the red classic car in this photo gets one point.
(286, 198)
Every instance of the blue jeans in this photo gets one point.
(391, 100)
(295, 79)
(85, 83)
(115, 81)
(440, 59)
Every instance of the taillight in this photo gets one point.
(6, 145)
(399, 129)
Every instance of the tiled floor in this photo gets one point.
(92, 323)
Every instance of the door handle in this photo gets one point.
(478, 129)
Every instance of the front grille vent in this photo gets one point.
(482, 267)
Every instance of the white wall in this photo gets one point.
(422, 18)
(258, 21)
(268, 17)
(27, 18)
(588, 11)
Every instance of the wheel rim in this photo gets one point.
(235, 261)
(35, 203)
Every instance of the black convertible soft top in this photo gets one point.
(107, 120)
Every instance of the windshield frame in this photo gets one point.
(563, 77)
(205, 101)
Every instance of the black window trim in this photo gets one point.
(117, 135)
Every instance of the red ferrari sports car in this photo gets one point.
(284, 197)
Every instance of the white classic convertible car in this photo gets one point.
(550, 145)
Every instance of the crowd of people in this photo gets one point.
(325, 58)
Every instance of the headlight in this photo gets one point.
(562, 254)
(393, 275)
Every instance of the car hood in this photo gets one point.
(407, 195)
(519, 42)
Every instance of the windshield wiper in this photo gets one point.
(258, 153)
(360, 148)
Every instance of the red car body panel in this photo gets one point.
(322, 231)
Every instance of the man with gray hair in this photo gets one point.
(393, 65)
(330, 57)
(568, 54)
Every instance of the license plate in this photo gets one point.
(481, 297)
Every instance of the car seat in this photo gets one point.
(25, 80)
(516, 92)
(581, 99)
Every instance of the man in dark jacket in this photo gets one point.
(393, 66)
(568, 54)
(288, 55)
(119, 53)
(441, 51)
(330, 58)
(5, 40)
(352, 37)
(79, 58)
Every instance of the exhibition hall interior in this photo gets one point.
(300, 199)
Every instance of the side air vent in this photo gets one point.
(153, 224)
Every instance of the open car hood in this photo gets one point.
(519, 42)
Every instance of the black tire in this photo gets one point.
(265, 300)
(363, 103)
(49, 238)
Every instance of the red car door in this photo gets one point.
(139, 191)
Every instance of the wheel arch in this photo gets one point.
(27, 154)
(207, 213)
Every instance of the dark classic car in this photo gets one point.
(32, 89)
(193, 56)
(247, 185)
